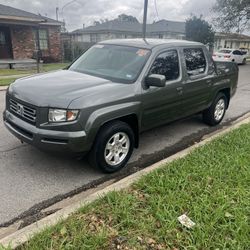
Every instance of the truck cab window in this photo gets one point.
(195, 61)
(167, 64)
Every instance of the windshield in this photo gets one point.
(225, 51)
(112, 62)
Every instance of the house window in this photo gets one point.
(43, 39)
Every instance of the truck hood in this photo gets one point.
(58, 89)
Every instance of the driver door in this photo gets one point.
(163, 104)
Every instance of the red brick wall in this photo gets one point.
(54, 50)
(23, 43)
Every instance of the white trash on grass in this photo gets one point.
(186, 221)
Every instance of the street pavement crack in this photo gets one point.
(11, 149)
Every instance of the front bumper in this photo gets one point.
(51, 140)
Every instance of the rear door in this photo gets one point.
(163, 104)
(238, 56)
(199, 77)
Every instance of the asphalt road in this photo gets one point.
(31, 179)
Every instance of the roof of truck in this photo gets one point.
(149, 43)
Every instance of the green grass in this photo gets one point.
(44, 68)
(54, 66)
(210, 185)
(14, 72)
(8, 81)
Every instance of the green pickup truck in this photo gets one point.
(116, 90)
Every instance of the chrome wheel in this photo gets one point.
(219, 110)
(117, 149)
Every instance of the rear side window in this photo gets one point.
(167, 64)
(195, 61)
(237, 52)
(225, 51)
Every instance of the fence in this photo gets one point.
(72, 50)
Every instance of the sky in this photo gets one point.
(79, 12)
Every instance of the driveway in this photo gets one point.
(31, 179)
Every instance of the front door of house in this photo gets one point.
(5, 43)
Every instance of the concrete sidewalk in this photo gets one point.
(3, 88)
(14, 76)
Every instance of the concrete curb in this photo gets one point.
(3, 88)
(21, 236)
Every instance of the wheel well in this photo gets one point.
(227, 94)
(132, 121)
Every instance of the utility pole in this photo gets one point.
(38, 51)
(57, 9)
(144, 25)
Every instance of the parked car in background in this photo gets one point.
(230, 55)
(244, 51)
(115, 91)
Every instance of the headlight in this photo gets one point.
(62, 115)
(10, 88)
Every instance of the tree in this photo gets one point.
(97, 23)
(199, 30)
(127, 18)
(120, 18)
(232, 14)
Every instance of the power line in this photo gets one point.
(68, 3)
(156, 10)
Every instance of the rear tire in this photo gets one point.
(113, 147)
(215, 113)
(244, 61)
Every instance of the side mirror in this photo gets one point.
(155, 80)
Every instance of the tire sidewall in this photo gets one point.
(217, 99)
(102, 140)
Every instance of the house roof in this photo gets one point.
(233, 36)
(150, 43)
(165, 25)
(125, 26)
(13, 14)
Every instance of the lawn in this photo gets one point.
(44, 68)
(5, 82)
(14, 72)
(210, 185)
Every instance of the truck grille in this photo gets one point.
(23, 111)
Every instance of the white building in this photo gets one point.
(232, 41)
(116, 29)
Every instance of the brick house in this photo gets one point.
(22, 33)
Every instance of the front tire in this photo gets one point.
(244, 61)
(113, 147)
(215, 113)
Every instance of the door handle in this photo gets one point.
(209, 82)
(179, 90)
